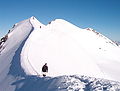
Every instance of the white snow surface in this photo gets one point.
(67, 49)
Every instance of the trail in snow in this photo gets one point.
(38, 74)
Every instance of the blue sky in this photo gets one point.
(101, 15)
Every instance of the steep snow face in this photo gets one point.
(15, 38)
(70, 50)
(10, 66)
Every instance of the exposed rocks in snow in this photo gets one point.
(117, 43)
(100, 35)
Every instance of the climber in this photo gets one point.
(45, 69)
(9, 31)
(0, 42)
(4, 38)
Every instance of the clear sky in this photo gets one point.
(101, 15)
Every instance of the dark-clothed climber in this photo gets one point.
(45, 69)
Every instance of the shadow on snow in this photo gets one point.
(34, 83)
(15, 68)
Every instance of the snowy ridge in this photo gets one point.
(68, 50)
(100, 35)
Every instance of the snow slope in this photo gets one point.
(67, 49)
(70, 50)
(58, 50)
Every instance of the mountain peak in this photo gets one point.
(36, 24)
(32, 17)
(90, 29)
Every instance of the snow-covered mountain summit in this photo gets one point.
(68, 50)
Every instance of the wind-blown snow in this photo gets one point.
(65, 83)
(68, 50)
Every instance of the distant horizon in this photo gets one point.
(101, 15)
